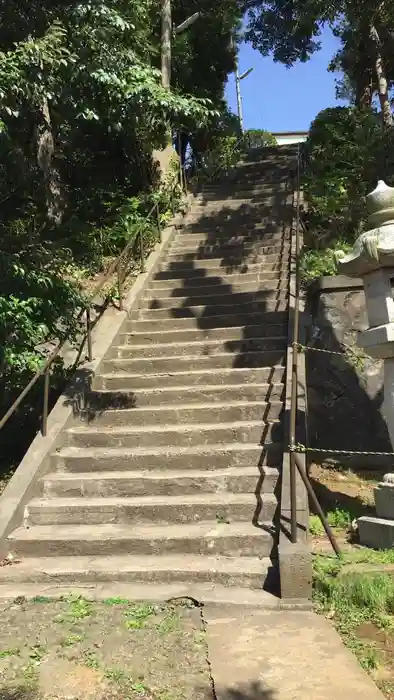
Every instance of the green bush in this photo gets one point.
(346, 153)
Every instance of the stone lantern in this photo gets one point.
(372, 259)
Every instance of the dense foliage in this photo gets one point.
(346, 153)
(82, 110)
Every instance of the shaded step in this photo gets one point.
(204, 347)
(230, 297)
(208, 251)
(204, 280)
(246, 318)
(207, 377)
(179, 414)
(149, 509)
(211, 457)
(160, 483)
(126, 398)
(256, 432)
(229, 262)
(249, 572)
(185, 290)
(262, 358)
(238, 333)
(183, 241)
(204, 538)
(204, 311)
(221, 269)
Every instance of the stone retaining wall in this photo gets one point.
(344, 397)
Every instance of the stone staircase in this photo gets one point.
(172, 474)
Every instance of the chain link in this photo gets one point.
(302, 449)
(301, 348)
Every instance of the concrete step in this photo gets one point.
(229, 298)
(162, 396)
(238, 333)
(205, 377)
(228, 262)
(262, 358)
(203, 311)
(159, 510)
(180, 414)
(219, 268)
(203, 322)
(209, 457)
(204, 347)
(204, 280)
(203, 538)
(223, 289)
(160, 483)
(243, 572)
(222, 238)
(206, 251)
(183, 435)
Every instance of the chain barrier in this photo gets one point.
(303, 449)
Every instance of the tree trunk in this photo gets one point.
(45, 159)
(364, 91)
(387, 115)
(166, 31)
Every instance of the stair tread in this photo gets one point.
(162, 475)
(198, 343)
(82, 564)
(194, 406)
(71, 451)
(189, 372)
(193, 499)
(179, 428)
(109, 531)
(189, 357)
(192, 388)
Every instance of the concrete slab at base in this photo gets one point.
(376, 532)
(266, 655)
(295, 570)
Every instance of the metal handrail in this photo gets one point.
(116, 266)
(295, 464)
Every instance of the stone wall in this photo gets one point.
(344, 395)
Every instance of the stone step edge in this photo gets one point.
(178, 428)
(219, 499)
(135, 334)
(218, 370)
(198, 343)
(159, 474)
(104, 452)
(83, 564)
(195, 406)
(95, 533)
(191, 388)
(267, 352)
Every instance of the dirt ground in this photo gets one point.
(76, 650)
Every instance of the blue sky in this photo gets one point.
(284, 99)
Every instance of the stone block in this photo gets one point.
(384, 501)
(376, 532)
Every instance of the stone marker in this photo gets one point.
(372, 259)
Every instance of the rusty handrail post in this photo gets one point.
(317, 505)
(120, 287)
(46, 402)
(294, 368)
(89, 334)
(142, 252)
(158, 221)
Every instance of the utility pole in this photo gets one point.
(166, 35)
(239, 99)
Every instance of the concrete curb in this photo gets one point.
(36, 461)
(295, 560)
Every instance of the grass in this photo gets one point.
(137, 615)
(4, 653)
(351, 597)
(78, 609)
(340, 519)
